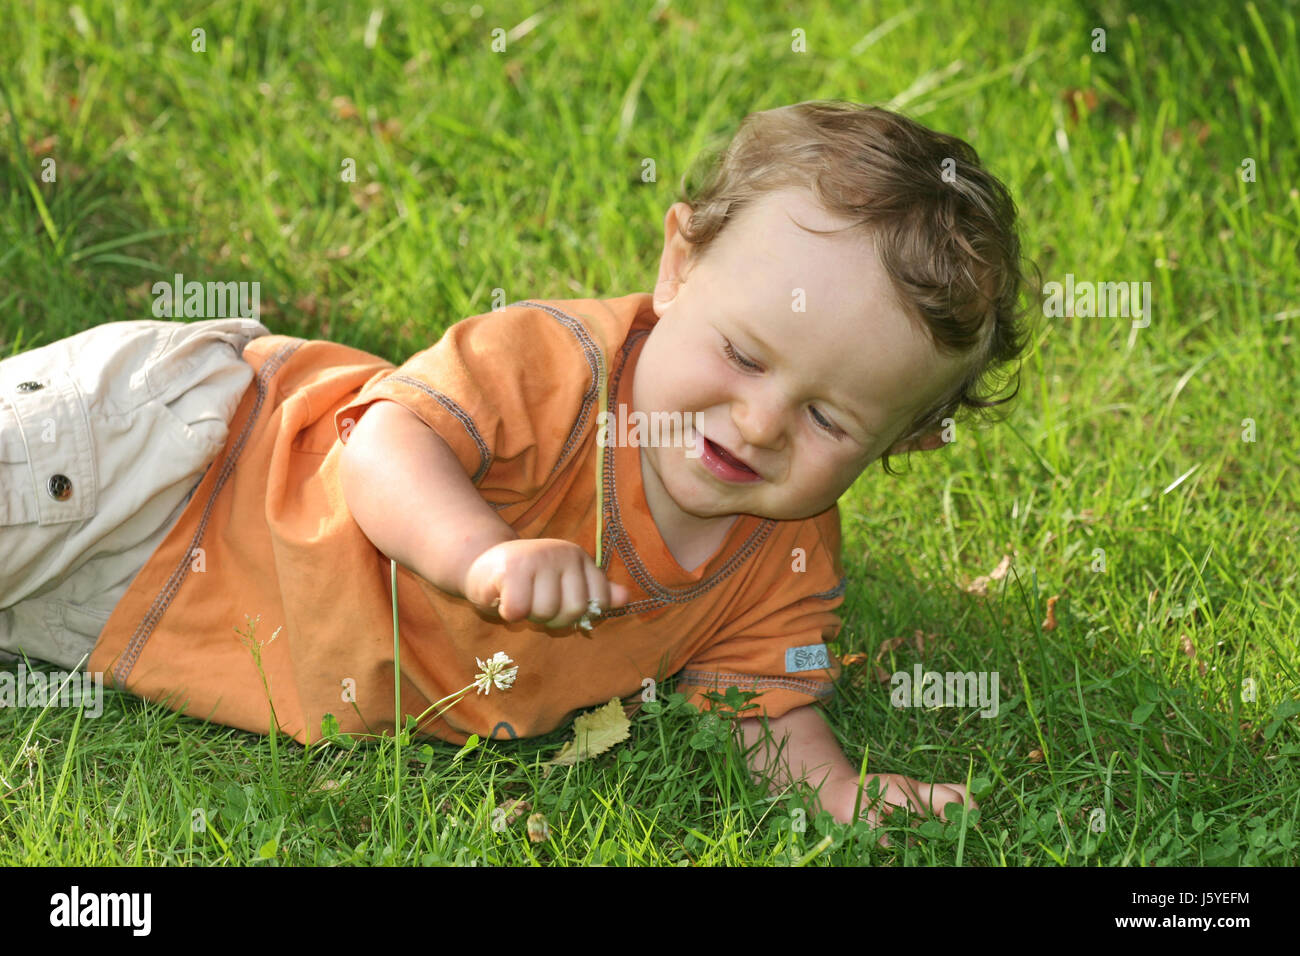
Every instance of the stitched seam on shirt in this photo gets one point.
(127, 661)
(458, 413)
(619, 541)
(614, 536)
(591, 352)
(616, 539)
(712, 680)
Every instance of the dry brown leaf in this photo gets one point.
(1186, 646)
(593, 734)
(344, 108)
(1198, 129)
(1050, 623)
(981, 584)
(43, 145)
(1035, 756)
(848, 660)
(367, 195)
(919, 640)
(893, 644)
(676, 19)
(513, 810)
(882, 676)
(1089, 100)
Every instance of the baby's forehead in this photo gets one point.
(890, 360)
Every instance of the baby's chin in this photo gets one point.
(783, 514)
(804, 511)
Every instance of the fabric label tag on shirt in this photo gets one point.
(809, 658)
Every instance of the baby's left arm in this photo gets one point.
(811, 750)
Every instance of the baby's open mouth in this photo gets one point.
(728, 457)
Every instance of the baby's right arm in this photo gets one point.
(410, 496)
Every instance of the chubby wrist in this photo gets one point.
(470, 547)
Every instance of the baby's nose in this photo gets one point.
(759, 422)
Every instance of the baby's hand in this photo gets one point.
(896, 791)
(546, 580)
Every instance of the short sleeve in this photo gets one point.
(511, 392)
(783, 657)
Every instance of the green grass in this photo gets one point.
(521, 171)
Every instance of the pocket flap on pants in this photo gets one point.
(60, 469)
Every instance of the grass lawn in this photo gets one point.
(1144, 478)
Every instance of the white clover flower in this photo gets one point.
(593, 610)
(495, 671)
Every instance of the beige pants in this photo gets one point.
(104, 437)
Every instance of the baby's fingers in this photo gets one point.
(938, 796)
(586, 597)
(528, 593)
(875, 819)
(602, 594)
(516, 600)
(573, 600)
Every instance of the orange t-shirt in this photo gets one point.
(514, 393)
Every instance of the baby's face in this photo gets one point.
(807, 399)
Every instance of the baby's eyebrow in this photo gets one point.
(753, 337)
(858, 421)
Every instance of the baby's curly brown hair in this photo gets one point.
(944, 228)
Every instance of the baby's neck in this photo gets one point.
(691, 551)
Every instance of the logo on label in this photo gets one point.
(809, 658)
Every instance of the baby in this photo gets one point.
(832, 296)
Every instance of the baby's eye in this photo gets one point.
(829, 426)
(822, 423)
(743, 363)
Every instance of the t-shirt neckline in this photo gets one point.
(637, 531)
